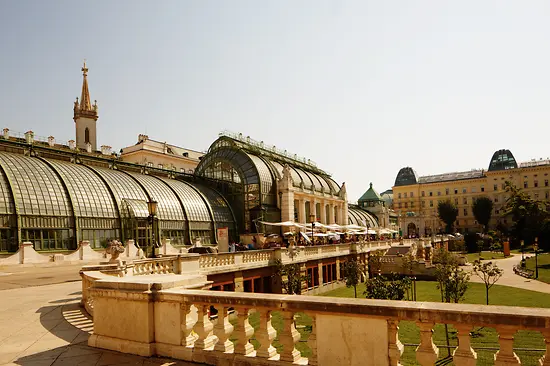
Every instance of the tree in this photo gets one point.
(447, 213)
(482, 209)
(387, 288)
(352, 274)
(451, 280)
(489, 273)
(530, 217)
(290, 277)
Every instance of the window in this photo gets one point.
(503, 186)
(412, 204)
(160, 166)
(465, 212)
(422, 193)
(412, 195)
(86, 135)
(482, 189)
(536, 183)
(399, 205)
(423, 204)
(399, 195)
(456, 191)
(431, 194)
(150, 164)
(536, 196)
(465, 200)
(439, 193)
(525, 185)
(496, 199)
(405, 194)
(456, 201)
(447, 191)
(497, 211)
(464, 190)
(431, 203)
(546, 182)
(406, 205)
(546, 194)
(182, 170)
(495, 187)
(474, 189)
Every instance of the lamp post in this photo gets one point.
(522, 244)
(152, 208)
(536, 247)
(312, 219)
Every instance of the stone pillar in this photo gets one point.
(337, 268)
(302, 211)
(330, 214)
(239, 281)
(287, 207)
(323, 213)
(312, 210)
(320, 267)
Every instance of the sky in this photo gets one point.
(363, 88)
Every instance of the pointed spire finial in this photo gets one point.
(84, 69)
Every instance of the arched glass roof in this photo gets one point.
(169, 207)
(37, 189)
(122, 185)
(194, 204)
(358, 216)
(6, 202)
(502, 160)
(91, 198)
(222, 211)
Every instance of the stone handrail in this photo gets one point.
(89, 275)
(217, 260)
(257, 256)
(343, 331)
(163, 265)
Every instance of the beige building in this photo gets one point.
(161, 155)
(415, 198)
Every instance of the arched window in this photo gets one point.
(86, 135)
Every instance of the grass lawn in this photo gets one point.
(485, 255)
(543, 264)
(486, 337)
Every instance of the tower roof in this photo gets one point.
(370, 195)
(85, 108)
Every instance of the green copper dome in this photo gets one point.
(370, 196)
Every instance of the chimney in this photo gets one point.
(105, 150)
(29, 136)
(6, 133)
(72, 144)
(88, 147)
(51, 141)
(142, 138)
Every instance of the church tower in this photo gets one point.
(85, 117)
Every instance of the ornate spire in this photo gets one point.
(85, 108)
(85, 104)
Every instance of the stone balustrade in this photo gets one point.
(154, 266)
(233, 328)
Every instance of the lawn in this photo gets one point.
(543, 264)
(486, 337)
(485, 255)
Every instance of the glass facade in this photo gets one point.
(358, 216)
(255, 169)
(54, 204)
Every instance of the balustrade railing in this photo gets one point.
(163, 265)
(257, 256)
(224, 327)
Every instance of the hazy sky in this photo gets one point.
(363, 88)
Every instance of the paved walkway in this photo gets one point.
(43, 326)
(509, 278)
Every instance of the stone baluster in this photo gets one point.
(265, 335)
(395, 347)
(288, 337)
(188, 339)
(426, 352)
(243, 331)
(222, 330)
(312, 341)
(203, 327)
(464, 355)
(506, 356)
(545, 360)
